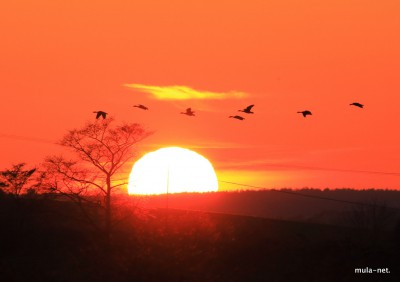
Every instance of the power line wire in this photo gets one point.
(336, 169)
(42, 140)
(26, 138)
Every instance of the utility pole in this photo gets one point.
(167, 200)
(167, 187)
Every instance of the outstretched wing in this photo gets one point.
(249, 108)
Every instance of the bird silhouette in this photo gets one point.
(357, 105)
(247, 110)
(305, 113)
(100, 114)
(188, 112)
(237, 117)
(140, 106)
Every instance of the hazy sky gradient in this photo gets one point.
(61, 60)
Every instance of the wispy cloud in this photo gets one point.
(184, 92)
(200, 145)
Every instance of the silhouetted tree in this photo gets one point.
(101, 148)
(17, 179)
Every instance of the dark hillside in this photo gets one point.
(45, 240)
(312, 205)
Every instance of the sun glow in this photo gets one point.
(172, 170)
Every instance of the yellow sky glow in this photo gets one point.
(178, 92)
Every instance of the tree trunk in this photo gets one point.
(108, 211)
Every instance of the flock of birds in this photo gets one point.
(247, 110)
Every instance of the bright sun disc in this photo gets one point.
(172, 170)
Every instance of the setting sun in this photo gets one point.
(172, 170)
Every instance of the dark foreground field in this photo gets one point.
(44, 239)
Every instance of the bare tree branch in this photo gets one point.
(101, 149)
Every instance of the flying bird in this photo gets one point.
(140, 106)
(305, 113)
(357, 105)
(237, 117)
(188, 112)
(247, 110)
(100, 114)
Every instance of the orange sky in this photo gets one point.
(61, 60)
